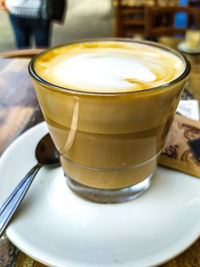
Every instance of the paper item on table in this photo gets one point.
(189, 108)
(177, 153)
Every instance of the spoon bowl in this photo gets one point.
(46, 152)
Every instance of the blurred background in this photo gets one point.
(83, 19)
(104, 18)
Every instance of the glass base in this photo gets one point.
(109, 196)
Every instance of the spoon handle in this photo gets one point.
(13, 201)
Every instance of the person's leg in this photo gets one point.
(41, 30)
(22, 34)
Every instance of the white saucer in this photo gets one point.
(58, 228)
(182, 47)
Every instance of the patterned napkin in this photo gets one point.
(182, 147)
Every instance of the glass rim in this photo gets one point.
(182, 76)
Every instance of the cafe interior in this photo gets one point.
(173, 23)
(152, 19)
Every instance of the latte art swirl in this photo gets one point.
(107, 67)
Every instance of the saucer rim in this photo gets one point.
(182, 47)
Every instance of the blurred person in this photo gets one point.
(33, 18)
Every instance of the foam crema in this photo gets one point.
(108, 66)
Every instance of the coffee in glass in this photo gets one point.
(109, 105)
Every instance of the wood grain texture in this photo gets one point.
(19, 108)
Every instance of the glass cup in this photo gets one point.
(192, 39)
(109, 142)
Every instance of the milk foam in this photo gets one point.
(110, 68)
(91, 71)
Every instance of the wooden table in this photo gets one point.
(19, 110)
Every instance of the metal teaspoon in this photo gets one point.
(46, 154)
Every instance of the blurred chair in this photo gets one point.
(129, 20)
(129, 15)
(160, 21)
(20, 53)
